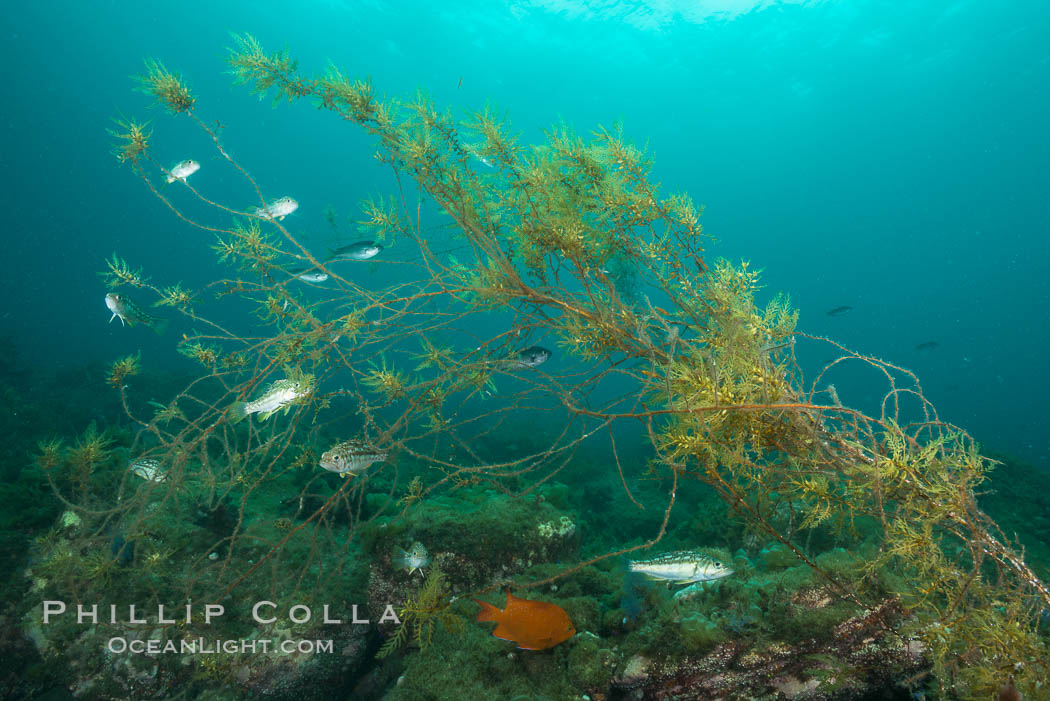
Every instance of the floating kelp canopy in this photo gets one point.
(566, 243)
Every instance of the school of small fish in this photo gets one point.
(531, 624)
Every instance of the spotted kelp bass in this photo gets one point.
(130, 313)
(682, 567)
(351, 457)
(282, 394)
(148, 469)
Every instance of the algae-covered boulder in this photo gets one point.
(592, 663)
(480, 536)
(699, 634)
(777, 556)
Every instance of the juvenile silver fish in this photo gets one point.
(411, 560)
(183, 170)
(531, 357)
(282, 394)
(313, 277)
(309, 274)
(278, 209)
(477, 154)
(362, 250)
(130, 313)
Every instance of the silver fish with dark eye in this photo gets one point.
(411, 560)
(282, 394)
(183, 170)
(309, 274)
(278, 209)
(351, 457)
(130, 313)
(531, 357)
(362, 250)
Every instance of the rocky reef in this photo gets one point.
(775, 629)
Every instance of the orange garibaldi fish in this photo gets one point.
(533, 625)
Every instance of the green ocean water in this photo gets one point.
(884, 166)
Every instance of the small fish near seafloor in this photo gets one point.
(682, 567)
(533, 625)
(183, 170)
(130, 313)
(411, 560)
(839, 311)
(928, 345)
(362, 250)
(278, 209)
(351, 457)
(282, 394)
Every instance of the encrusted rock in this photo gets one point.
(562, 528)
(635, 673)
(69, 519)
